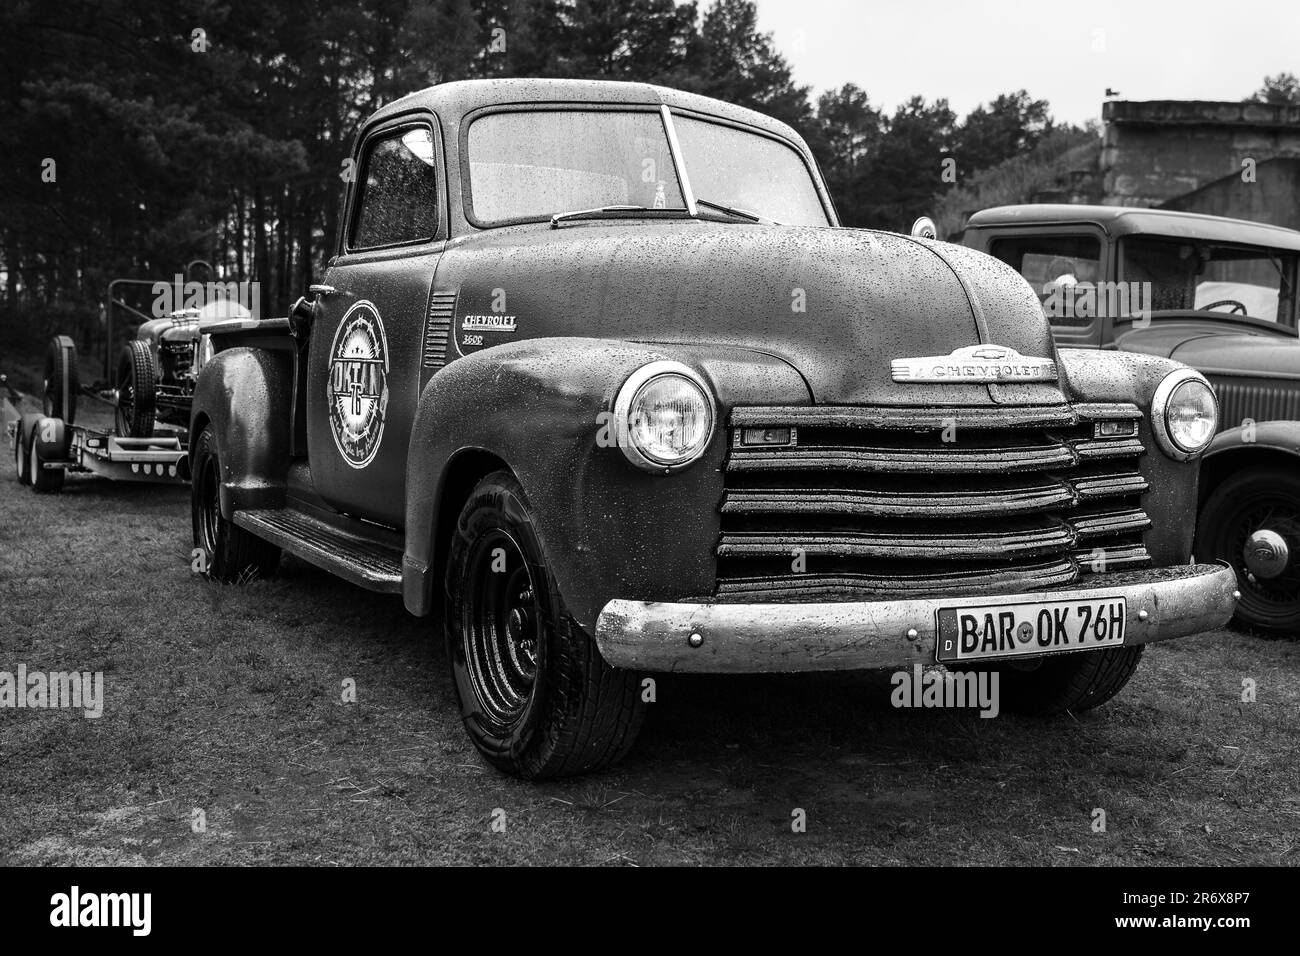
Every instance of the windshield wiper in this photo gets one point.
(738, 213)
(618, 212)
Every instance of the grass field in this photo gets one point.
(228, 700)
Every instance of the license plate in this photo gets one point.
(1021, 630)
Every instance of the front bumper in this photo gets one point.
(863, 635)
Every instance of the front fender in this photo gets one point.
(1171, 499)
(246, 394)
(1281, 436)
(608, 528)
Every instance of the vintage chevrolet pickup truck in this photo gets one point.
(595, 375)
(1221, 295)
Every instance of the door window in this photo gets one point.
(399, 192)
(1056, 266)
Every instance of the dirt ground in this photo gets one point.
(223, 706)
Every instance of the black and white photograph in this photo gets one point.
(650, 434)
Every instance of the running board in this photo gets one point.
(366, 563)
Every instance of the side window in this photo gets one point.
(1052, 265)
(399, 192)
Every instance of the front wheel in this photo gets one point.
(536, 697)
(229, 553)
(1048, 686)
(1252, 521)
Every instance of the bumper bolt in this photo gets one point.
(912, 634)
(696, 639)
(1143, 615)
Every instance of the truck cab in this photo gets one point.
(1223, 296)
(596, 382)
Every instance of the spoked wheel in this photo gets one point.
(230, 553)
(536, 697)
(1252, 521)
(136, 391)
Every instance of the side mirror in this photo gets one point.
(924, 228)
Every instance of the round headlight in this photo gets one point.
(1185, 414)
(667, 413)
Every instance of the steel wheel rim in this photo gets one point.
(1268, 597)
(33, 463)
(209, 506)
(501, 625)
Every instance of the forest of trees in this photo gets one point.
(141, 134)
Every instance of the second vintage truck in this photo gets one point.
(595, 380)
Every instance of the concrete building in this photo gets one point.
(1226, 159)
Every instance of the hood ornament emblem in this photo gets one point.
(975, 364)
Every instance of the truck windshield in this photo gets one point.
(731, 167)
(1247, 281)
(530, 165)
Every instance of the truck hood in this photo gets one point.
(836, 304)
(1217, 347)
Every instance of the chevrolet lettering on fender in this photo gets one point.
(662, 467)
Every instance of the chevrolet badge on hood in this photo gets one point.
(975, 363)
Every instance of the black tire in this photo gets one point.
(61, 369)
(536, 697)
(20, 454)
(1254, 500)
(231, 554)
(137, 391)
(1073, 683)
(44, 481)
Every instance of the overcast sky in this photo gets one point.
(1066, 53)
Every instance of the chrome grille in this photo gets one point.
(873, 502)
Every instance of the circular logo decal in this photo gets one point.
(358, 384)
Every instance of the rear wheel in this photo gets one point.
(61, 383)
(1252, 521)
(1070, 683)
(230, 553)
(536, 697)
(137, 391)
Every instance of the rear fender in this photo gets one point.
(246, 394)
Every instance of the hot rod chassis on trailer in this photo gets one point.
(594, 374)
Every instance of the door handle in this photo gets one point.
(321, 289)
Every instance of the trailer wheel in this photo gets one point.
(20, 454)
(61, 381)
(231, 554)
(45, 481)
(137, 391)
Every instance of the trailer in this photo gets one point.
(48, 445)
